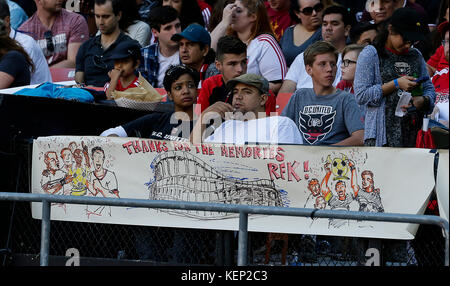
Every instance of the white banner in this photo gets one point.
(391, 180)
(442, 185)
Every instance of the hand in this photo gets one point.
(114, 74)
(407, 83)
(228, 12)
(417, 101)
(219, 108)
(327, 167)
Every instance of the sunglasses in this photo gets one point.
(173, 68)
(100, 63)
(309, 10)
(49, 38)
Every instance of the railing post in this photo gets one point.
(45, 232)
(243, 239)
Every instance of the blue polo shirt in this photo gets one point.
(95, 62)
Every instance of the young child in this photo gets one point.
(126, 61)
(348, 66)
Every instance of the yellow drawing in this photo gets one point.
(339, 167)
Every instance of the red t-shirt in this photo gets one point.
(345, 86)
(119, 86)
(437, 60)
(279, 20)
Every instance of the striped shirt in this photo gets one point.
(266, 58)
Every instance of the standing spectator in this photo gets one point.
(231, 61)
(381, 10)
(188, 11)
(336, 24)
(93, 62)
(323, 114)
(58, 32)
(157, 57)
(131, 23)
(194, 48)
(308, 16)
(248, 20)
(278, 11)
(15, 64)
(18, 15)
(41, 71)
(386, 69)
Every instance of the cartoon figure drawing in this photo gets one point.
(341, 201)
(368, 197)
(315, 199)
(53, 178)
(104, 182)
(81, 172)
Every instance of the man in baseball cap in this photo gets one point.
(194, 47)
(248, 122)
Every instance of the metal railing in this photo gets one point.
(243, 210)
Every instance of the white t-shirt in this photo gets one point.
(266, 58)
(297, 73)
(164, 64)
(41, 71)
(141, 32)
(270, 130)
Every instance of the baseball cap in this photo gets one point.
(194, 33)
(407, 22)
(255, 80)
(125, 49)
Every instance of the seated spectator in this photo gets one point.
(385, 70)
(58, 32)
(348, 66)
(41, 71)
(381, 10)
(323, 114)
(15, 64)
(131, 23)
(93, 62)
(278, 11)
(18, 15)
(157, 57)
(194, 48)
(126, 60)
(307, 14)
(336, 25)
(248, 20)
(217, 13)
(363, 33)
(188, 11)
(441, 81)
(181, 85)
(248, 123)
(231, 61)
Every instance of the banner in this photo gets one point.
(442, 185)
(370, 179)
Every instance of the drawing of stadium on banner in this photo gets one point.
(181, 176)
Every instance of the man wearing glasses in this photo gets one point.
(93, 61)
(336, 24)
(57, 31)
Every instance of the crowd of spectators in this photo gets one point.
(344, 62)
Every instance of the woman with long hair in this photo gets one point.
(248, 20)
(389, 71)
(132, 25)
(308, 16)
(16, 65)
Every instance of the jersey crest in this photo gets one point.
(316, 122)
